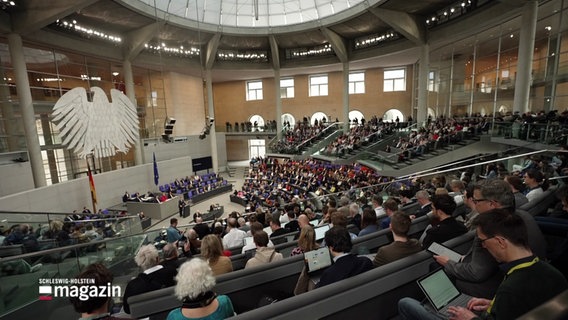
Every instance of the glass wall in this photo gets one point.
(477, 74)
(53, 72)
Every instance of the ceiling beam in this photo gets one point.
(337, 44)
(211, 51)
(274, 53)
(407, 25)
(39, 14)
(135, 40)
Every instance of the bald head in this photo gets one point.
(303, 220)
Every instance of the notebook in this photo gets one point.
(441, 292)
(442, 250)
(320, 232)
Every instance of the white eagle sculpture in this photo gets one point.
(100, 127)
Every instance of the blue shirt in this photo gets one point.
(173, 234)
(224, 310)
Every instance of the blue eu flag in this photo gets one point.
(156, 175)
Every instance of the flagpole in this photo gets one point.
(92, 187)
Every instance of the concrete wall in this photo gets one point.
(75, 194)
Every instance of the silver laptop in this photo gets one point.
(320, 232)
(441, 292)
(316, 262)
(247, 241)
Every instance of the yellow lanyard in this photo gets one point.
(513, 269)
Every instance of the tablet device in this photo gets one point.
(317, 260)
(320, 232)
(442, 250)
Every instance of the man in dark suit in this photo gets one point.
(345, 264)
(423, 198)
(276, 229)
(448, 227)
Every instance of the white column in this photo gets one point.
(525, 54)
(27, 108)
(212, 134)
(346, 97)
(278, 104)
(422, 110)
(130, 93)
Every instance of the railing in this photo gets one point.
(547, 133)
(22, 274)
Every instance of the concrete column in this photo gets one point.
(525, 54)
(278, 99)
(211, 108)
(7, 110)
(422, 110)
(27, 108)
(472, 93)
(130, 93)
(346, 97)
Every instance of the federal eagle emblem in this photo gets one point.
(98, 126)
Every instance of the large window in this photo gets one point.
(432, 82)
(357, 82)
(287, 88)
(394, 80)
(318, 85)
(254, 90)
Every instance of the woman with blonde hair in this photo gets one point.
(195, 282)
(212, 252)
(306, 241)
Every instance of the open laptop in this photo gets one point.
(316, 262)
(442, 250)
(247, 241)
(320, 232)
(441, 292)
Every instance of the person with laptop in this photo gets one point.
(249, 242)
(477, 274)
(345, 264)
(528, 282)
(402, 246)
(447, 227)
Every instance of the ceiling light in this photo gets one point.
(548, 28)
(115, 73)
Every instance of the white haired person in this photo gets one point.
(195, 282)
(153, 277)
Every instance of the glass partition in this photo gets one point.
(22, 274)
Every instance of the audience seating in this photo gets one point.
(371, 295)
(539, 206)
(247, 287)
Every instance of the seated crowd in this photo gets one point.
(188, 187)
(301, 133)
(360, 134)
(280, 196)
(437, 133)
(489, 207)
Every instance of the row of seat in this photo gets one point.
(248, 286)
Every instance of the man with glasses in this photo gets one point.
(477, 274)
(528, 281)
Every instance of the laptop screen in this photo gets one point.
(438, 288)
(268, 230)
(317, 259)
(247, 241)
(320, 232)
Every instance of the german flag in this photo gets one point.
(92, 185)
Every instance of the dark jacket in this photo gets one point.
(345, 267)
